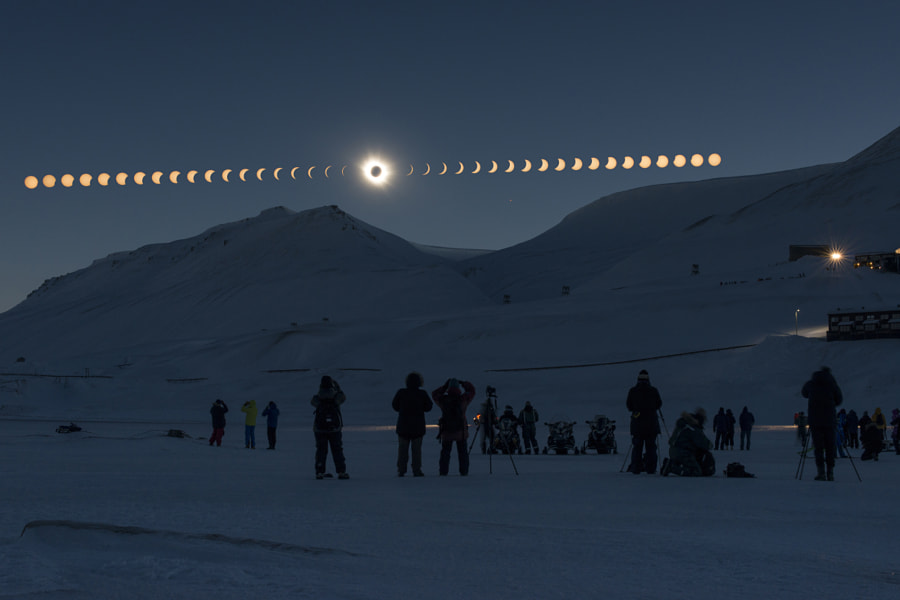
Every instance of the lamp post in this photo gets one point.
(796, 322)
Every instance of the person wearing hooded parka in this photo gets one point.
(411, 404)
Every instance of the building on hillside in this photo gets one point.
(862, 324)
(888, 262)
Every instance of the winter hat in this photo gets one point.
(453, 386)
(508, 408)
(327, 382)
(528, 403)
(643, 375)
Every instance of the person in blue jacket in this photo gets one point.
(271, 412)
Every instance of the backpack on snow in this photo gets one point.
(736, 469)
(328, 417)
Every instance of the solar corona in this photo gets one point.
(378, 172)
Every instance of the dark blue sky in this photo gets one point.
(144, 86)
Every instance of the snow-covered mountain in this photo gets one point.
(320, 291)
(268, 271)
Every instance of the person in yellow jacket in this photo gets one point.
(249, 409)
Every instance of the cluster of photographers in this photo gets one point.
(689, 448)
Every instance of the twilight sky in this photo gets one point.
(94, 87)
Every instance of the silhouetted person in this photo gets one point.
(824, 395)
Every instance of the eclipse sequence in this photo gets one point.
(374, 171)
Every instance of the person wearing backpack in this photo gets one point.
(528, 417)
(327, 426)
(411, 404)
(453, 398)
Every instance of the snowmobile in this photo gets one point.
(506, 438)
(602, 437)
(561, 439)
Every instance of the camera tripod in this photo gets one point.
(803, 452)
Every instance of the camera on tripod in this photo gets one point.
(491, 391)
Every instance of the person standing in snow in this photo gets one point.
(271, 412)
(746, 421)
(824, 395)
(643, 402)
(249, 410)
(411, 404)
(453, 398)
(328, 425)
(729, 430)
(719, 424)
(218, 410)
(528, 418)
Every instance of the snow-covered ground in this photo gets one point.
(120, 510)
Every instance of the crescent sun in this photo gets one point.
(139, 177)
(294, 172)
(662, 161)
(275, 173)
(576, 166)
(103, 179)
(493, 167)
(173, 176)
(595, 164)
(511, 167)
(208, 175)
(627, 162)
(544, 165)
(461, 168)
(326, 171)
(122, 178)
(344, 167)
(242, 174)
(527, 166)
(560, 165)
(645, 162)
(259, 173)
(408, 174)
(610, 163)
(477, 167)
(427, 169)
(225, 175)
(191, 175)
(309, 172)
(156, 177)
(444, 170)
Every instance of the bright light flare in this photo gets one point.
(376, 172)
(836, 255)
